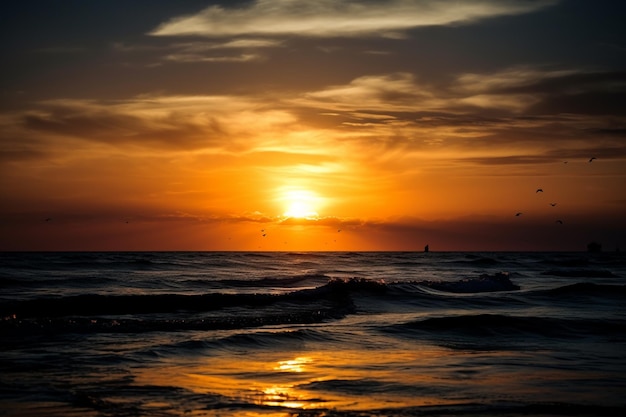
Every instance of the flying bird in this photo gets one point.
(592, 158)
(518, 214)
(539, 190)
(559, 221)
(553, 204)
(48, 219)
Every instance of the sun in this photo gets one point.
(300, 204)
(300, 210)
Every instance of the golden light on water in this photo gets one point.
(304, 382)
(281, 396)
(293, 365)
(342, 379)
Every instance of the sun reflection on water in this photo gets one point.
(345, 379)
(281, 396)
(293, 365)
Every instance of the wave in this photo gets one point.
(56, 325)
(335, 290)
(99, 400)
(96, 304)
(360, 386)
(586, 289)
(36, 282)
(476, 260)
(335, 299)
(174, 312)
(478, 409)
(131, 325)
(272, 282)
(272, 340)
(484, 283)
(580, 273)
(488, 325)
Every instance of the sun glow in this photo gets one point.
(300, 204)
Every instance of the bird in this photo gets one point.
(263, 234)
(539, 190)
(559, 221)
(565, 162)
(592, 158)
(48, 219)
(518, 214)
(338, 230)
(553, 204)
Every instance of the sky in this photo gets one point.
(292, 125)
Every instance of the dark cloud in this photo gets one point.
(511, 160)
(328, 221)
(20, 155)
(591, 103)
(537, 233)
(122, 130)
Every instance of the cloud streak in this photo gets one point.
(329, 18)
(493, 113)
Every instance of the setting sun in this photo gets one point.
(301, 204)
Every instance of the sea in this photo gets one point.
(312, 334)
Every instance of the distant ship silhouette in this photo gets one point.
(426, 249)
(594, 247)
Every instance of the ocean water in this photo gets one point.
(312, 334)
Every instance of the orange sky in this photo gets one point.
(225, 128)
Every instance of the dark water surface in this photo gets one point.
(312, 334)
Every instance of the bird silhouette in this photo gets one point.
(49, 219)
(518, 214)
(553, 204)
(539, 190)
(559, 221)
(592, 158)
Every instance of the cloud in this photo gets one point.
(511, 90)
(506, 117)
(229, 51)
(376, 93)
(166, 122)
(383, 119)
(330, 18)
(182, 56)
(206, 51)
(546, 91)
(509, 79)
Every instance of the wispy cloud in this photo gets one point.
(235, 50)
(494, 118)
(500, 115)
(167, 122)
(183, 56)
(329, 18)
(509, 91)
